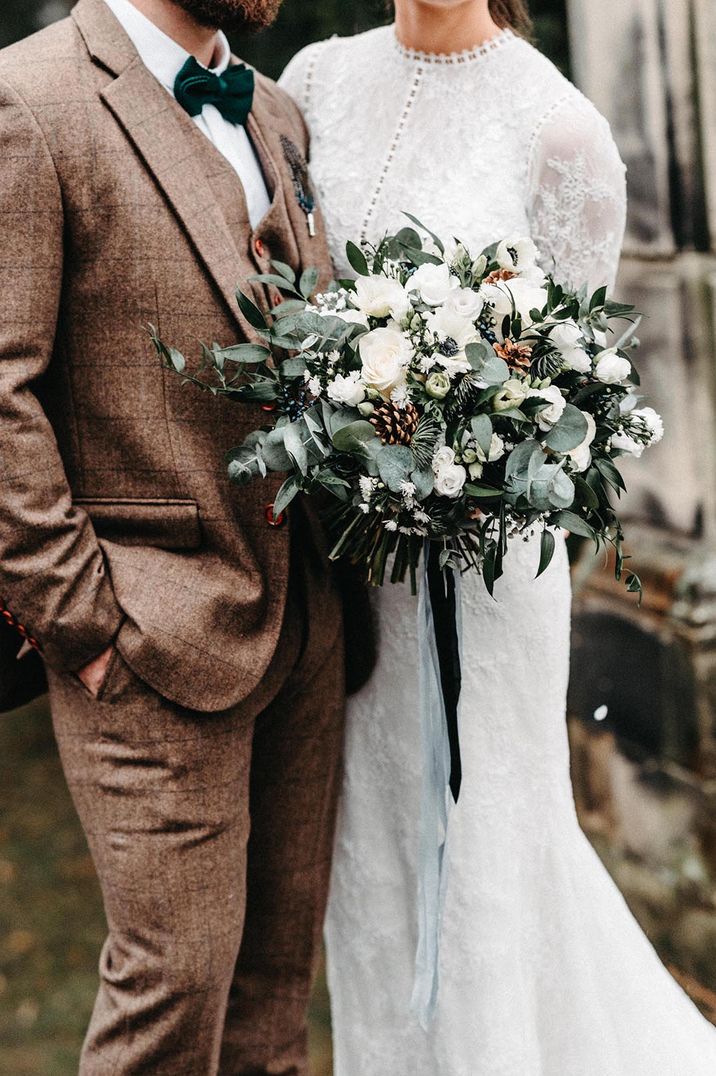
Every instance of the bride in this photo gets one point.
(452, 115)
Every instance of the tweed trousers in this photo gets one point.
(212, 836)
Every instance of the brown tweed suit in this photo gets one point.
(117, 522)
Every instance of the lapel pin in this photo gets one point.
(301, 183)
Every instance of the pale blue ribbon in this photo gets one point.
(434, 806)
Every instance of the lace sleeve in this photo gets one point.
(577, 194)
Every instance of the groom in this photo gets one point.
(193, 643)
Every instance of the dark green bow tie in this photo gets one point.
(232, 93)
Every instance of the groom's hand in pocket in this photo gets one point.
(92, 675)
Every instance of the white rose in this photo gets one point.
(443, 457)
(581, 456)
(612, 368)
(497, 450)
(348, 390)
(433, 283)
(384, 353)
(578, 360)
(450, 479)
(548, 416)
(465, 302)
(380, 296)
(516, 254)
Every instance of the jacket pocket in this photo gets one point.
(164, 523)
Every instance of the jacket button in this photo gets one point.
(274, 522)
(259, 248)
(277, 299)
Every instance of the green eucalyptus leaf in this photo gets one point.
(353, 435)
(424, 482)
(488, 366)
(274, 452)
(285, 495)
(295, 436)
(395, 463)
(243, 353)
(284, 270)
(309, 280)
(569, 432)
(481, 427)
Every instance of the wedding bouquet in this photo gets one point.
(440, 397)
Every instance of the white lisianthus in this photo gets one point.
(348, 389)
(653, 421)
(497, 450)
(612, 368)
(548, 416)
(384, 353)
(354, 317)
(380, 296)
(581, 456)
(450, 477)
(512, 394)
(523, 295)
(433, 283)
(625, 443)
(567, 338)
(516, 254)
(465, 302)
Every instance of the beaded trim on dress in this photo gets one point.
(446, 58)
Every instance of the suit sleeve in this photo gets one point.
(52, 571)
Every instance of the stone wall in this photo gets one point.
(645, 779)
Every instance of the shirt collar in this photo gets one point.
(160, 54)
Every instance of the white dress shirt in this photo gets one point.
(164, 58)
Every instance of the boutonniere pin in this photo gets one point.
(301, 182)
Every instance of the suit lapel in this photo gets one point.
(163, 136)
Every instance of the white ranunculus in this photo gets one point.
(555, 402)
(581, 456)
(465, 302)
(384, 353)
(348, 390)
(516, 254)
(381, 297)
(612, 368)
(497, 450)
(433, 283)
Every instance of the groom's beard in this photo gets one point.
(232, 16)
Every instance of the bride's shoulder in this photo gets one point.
(556, 110)
(329, 60)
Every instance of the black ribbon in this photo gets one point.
(441, 587)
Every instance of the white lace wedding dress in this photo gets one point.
(544, 972)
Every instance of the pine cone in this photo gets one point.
(395, 425)
(517, 356)
(499, 275)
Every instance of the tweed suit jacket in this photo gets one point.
(117, 520)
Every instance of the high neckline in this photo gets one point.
(467, 56)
